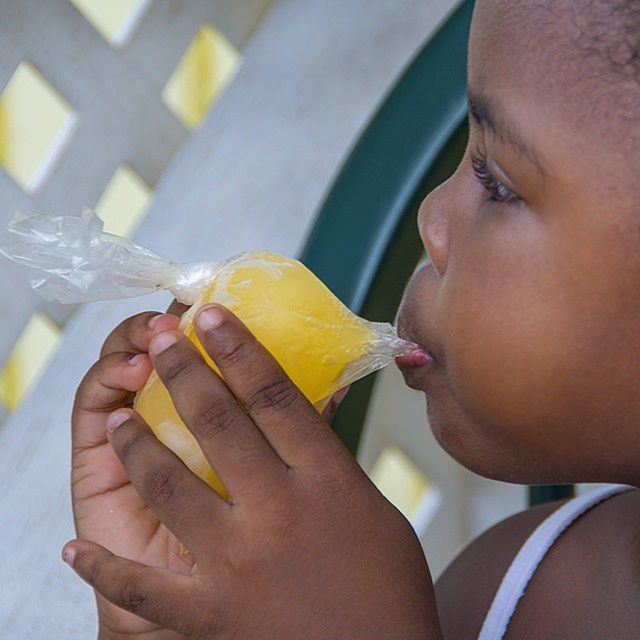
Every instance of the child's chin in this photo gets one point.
(469, 443)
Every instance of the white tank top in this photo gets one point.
(531, 554)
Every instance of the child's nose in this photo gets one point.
(433, 225)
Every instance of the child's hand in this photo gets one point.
(305, 546)
(107, 508)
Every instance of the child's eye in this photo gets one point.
(496, 190)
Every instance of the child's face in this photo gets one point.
(531, 306)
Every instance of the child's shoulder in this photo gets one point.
(587, 581)
(465, 590)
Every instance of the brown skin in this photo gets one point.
(531, 310)
(258, 567)
(107, 508)
(586, 588)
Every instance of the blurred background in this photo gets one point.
(202, 128)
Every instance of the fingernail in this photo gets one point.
(153, 323)
(116, 419)
(209, 318)
(135, 358)
(69, 555)
(162, 342)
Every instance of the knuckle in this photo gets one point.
(111, 343)
(216, 418)
(248, 454)
(123, 332)
(131, 596)
(132, 323)
(133, 443)
(88, 383)
(92, 391)
(278, 394)
(86, 391)
(176, 370)
(232, 354)
(160, 485)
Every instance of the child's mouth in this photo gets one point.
(415, 364)
(417, 358)
(413, 367)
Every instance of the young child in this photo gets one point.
(530, 310)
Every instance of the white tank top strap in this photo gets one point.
(531, 554)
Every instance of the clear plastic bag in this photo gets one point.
(317, 340)
(74, 260)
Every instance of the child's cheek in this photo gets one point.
(505, 342)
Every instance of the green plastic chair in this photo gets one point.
(364, 244)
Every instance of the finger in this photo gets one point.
(330, 410)
(177, 308)
(133, 334)
(158, 595)
(177, 497)
(109, 384)
(226, 434)
(288, 420)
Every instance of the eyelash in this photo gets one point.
(496, 190)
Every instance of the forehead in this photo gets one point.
(574, 49)
(536, 58)
(526, 46)
(499, 24)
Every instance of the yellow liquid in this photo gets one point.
(312, 335)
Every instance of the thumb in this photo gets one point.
(155, 594)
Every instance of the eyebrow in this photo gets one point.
(491, 115)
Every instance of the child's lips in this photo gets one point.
(414, 367)
(419, 362)
(419, 357)
(415, 364)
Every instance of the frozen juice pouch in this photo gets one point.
(317, 340)
(320, 344)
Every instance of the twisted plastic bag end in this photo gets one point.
(73, 260)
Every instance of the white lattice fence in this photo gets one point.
(117, 118)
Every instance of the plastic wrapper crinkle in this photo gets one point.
(320, 343)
